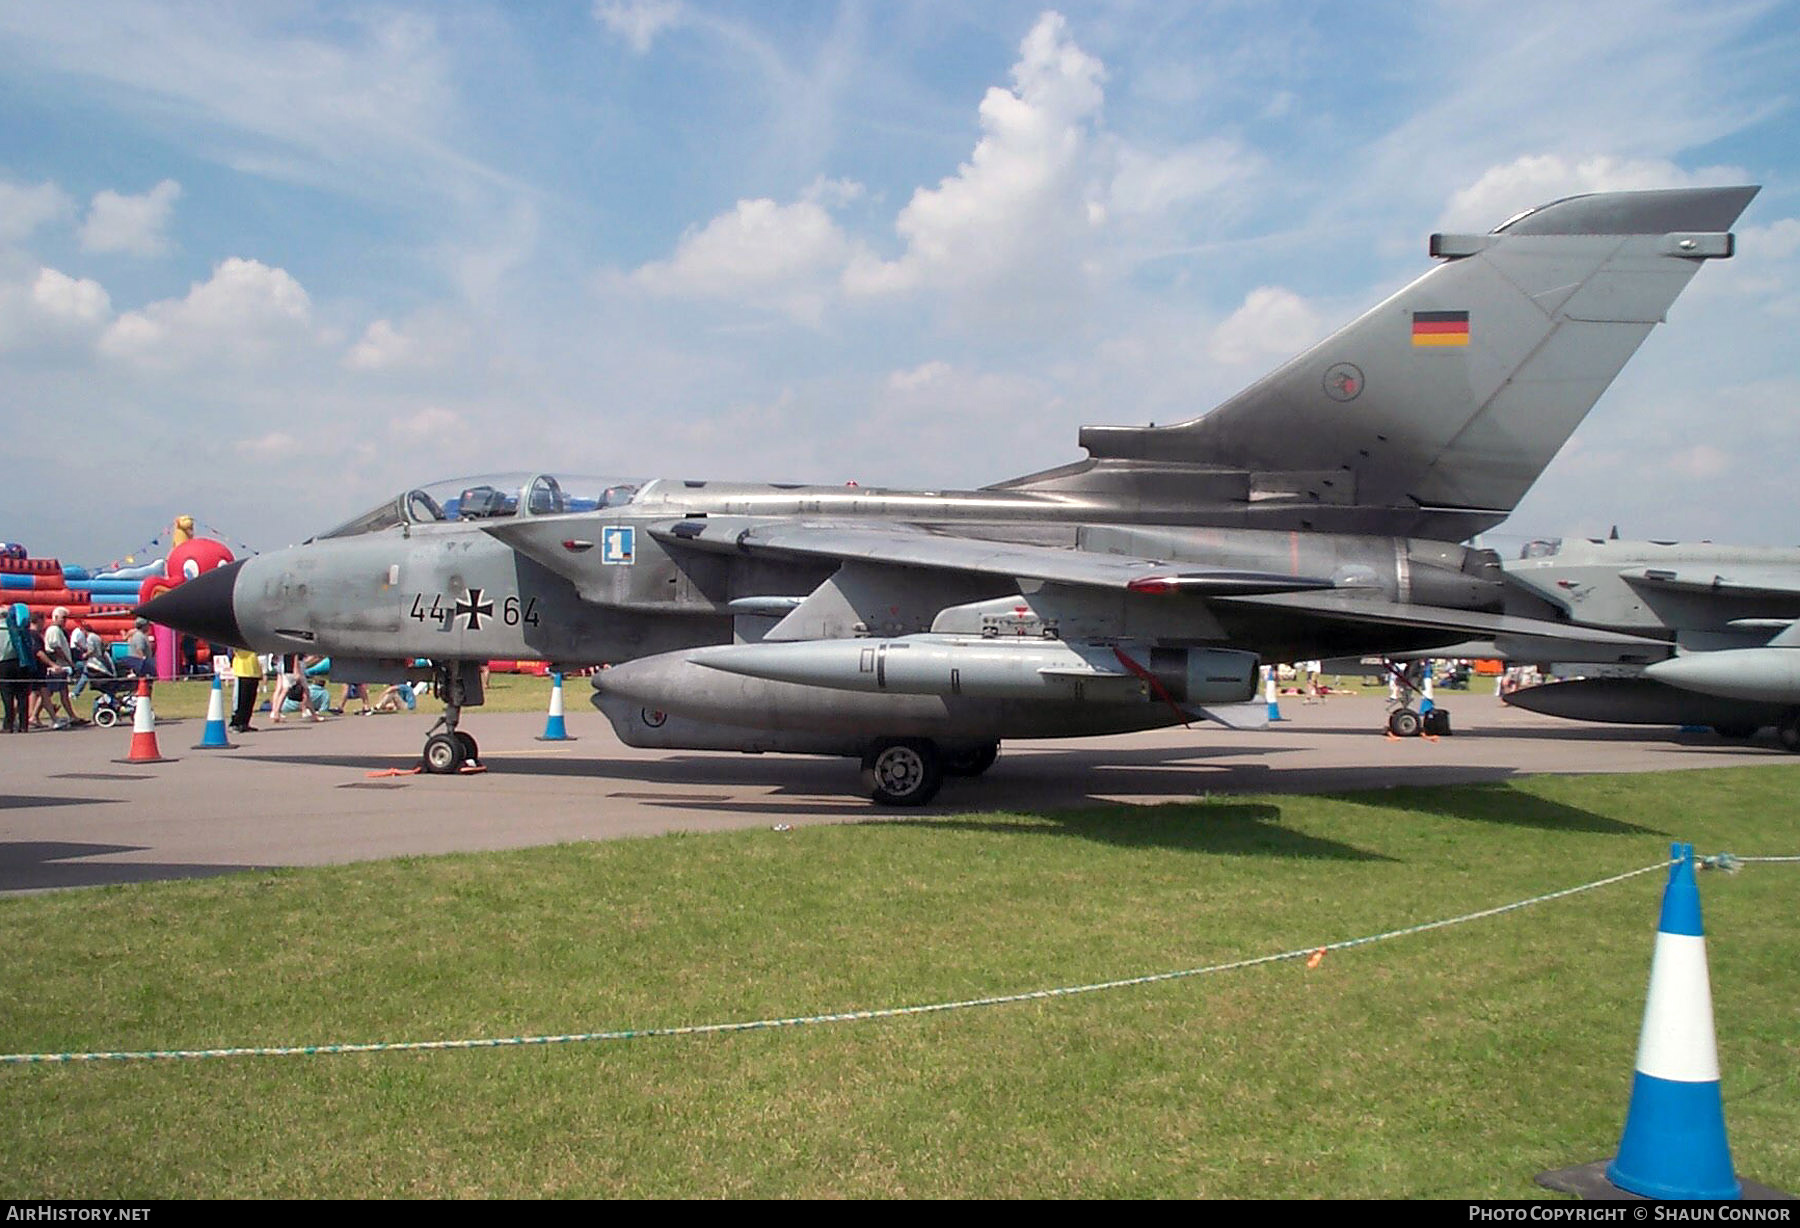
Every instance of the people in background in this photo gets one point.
(246, 672)
(139, 656)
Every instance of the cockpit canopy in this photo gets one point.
(491, 497)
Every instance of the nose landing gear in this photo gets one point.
(452, 751)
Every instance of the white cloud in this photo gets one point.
(483, 263)
(78, 301)
(1148, 184)
(1272, 323)
(247, 311)
(1017, 213)
(784, 256)
(364, 103)
(638, 22)
(832, 193)
(24, 209)
(1017, 222)
(1701, 461)
(50, 308)
(273, 446)
(433, 339)
(432, 424)
(1776, 241)
(922, 376)
(134, 224)
(1537, 179)
(381, 346)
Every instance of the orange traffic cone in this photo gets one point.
(143, 730)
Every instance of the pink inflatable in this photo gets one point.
(185, 561)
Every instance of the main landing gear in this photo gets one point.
(909, 771)
(1787, 732)
(1404, 721)
(448, 752)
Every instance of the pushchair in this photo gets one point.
(115, 698)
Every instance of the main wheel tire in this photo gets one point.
(1788, 732)
(105, 717)
(471, 751)
(1404, 723)
(971, 761)
(1736, 733)
(443, 754)
(902, 772)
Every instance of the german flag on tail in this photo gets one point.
(1440, 328)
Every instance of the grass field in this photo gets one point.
(1455, 1063)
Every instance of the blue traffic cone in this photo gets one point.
(1426, 700)
(1674, 1144)
(554, 729)
(1269, 693)
(214, 737)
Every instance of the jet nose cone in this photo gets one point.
(200, 607)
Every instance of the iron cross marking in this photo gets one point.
(472, 609)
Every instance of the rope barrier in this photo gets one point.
(1313, 955)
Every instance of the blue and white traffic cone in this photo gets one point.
(214, 737)
(554, 729)
(1425, 702)
(1269, 692)
(1674, 1143)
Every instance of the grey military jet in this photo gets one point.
(1727, 619)
(1317, 513)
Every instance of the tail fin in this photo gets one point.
(1440, 407)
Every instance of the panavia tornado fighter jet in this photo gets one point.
(1315, 514)
(1727, 618)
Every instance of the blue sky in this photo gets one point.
(268, 263)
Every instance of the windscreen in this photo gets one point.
(491, 497)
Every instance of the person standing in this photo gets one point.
(246, 670)
(14, 649)
(137, 650)
(36, 663)
(59, 668)
(78, 651)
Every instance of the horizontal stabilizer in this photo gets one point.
(1769, 582)
(1351, 608)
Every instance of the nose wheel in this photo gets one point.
(448, 750)
(444, 754)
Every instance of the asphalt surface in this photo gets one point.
(295, 794)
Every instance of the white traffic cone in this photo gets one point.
(1674, 1144)
(554, 728)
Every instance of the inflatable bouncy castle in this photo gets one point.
(102, 600)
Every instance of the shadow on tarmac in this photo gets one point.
(45, 865)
